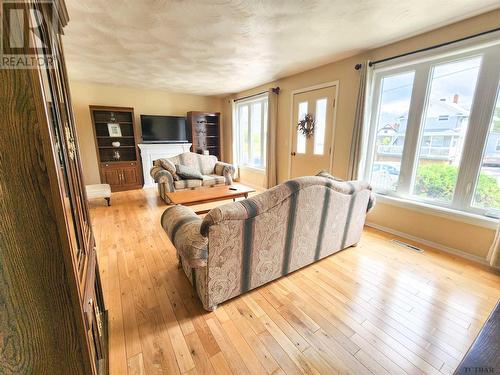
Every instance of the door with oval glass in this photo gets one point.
(312, 152)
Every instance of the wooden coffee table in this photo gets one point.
(209, 194)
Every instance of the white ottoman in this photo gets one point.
(99, 191)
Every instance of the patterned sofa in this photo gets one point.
(242, 245)
(214, 172)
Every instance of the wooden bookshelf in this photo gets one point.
(119, 166)
(205, 130)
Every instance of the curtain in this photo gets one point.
(230, 155)
(494, 254)
(272, 125)
(358, 137)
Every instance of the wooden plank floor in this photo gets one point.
(377, 308)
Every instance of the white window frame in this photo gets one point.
(480, 118)
(237, 131)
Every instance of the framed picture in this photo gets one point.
(114, 130)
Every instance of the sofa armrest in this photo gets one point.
(371, 202)
(182, 226)
(162, 176)
(225, 169)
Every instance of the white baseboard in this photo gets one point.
(435, 245)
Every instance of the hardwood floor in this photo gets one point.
(377, 308)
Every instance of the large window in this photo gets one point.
(434, 131)
(250, 129)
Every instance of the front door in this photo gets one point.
(311, 154)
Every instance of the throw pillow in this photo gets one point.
(169, 166)
(188, 173)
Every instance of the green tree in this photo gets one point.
(496, 120)
(437, 181)
(487, 192)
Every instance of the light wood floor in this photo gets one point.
(377, 308)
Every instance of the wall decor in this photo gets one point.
(306, 126)
(114, 130)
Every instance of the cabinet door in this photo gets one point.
(130, 176)
(112, 177)
(96, 318)
(70, 186)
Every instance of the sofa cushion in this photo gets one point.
(205, 164)
(213, 179)
(170, 167)
(183, 184)
(187, 172)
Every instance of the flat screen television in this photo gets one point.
(164, 129)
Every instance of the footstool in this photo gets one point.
(99, 191)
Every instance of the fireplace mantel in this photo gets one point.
(153, 151)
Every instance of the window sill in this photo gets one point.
(464, 217)
(252, 169)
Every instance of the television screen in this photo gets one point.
(164, 129)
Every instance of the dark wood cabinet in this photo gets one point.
(121, 176)
(205, 131)
(117, 153)
(52, 307)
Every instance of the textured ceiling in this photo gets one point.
(225, 46)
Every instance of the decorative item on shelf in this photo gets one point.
(306, 126)
(115, 144)
(116, 155)
(114, 130)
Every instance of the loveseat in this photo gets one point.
(213, 172)
(242, 245)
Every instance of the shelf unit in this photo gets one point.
(205, 130)
(119, 166)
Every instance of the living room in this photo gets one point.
(247, 187)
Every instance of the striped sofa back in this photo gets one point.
(296, 223)
(205, 164)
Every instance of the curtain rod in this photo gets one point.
(371, 63)
(276, 90)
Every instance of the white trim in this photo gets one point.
(434, 245)
(253, 169)
(447, 213)
(334, 125)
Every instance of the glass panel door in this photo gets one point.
(63, 138)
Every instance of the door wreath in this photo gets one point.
(306, 126)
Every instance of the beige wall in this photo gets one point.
(151, 102)
(465, 237)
